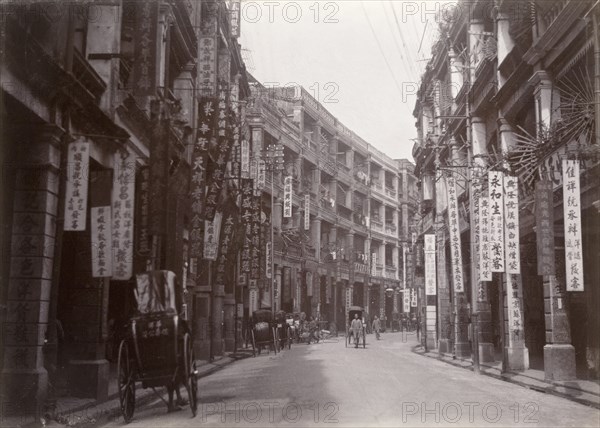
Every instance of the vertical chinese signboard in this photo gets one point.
(246, 216)
(145, 34)
(405, 300)
(122, 217)
(287, 196)
(76, 192)
(511, 225)
(207, 60)
(485, 267)
(226, 248)
(455, 241)
(245, 159)
(495, 187)
(515, 313)
(373, 264)
(413, 297)
(306, 212)
(234, 17)
(544, 222)
(143, 208)
(572, 220)
(212, 231)
(101, 238)
(430, 278)
(268, 258)
(255, 243)
(261, 174)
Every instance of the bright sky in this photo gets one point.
(361, 59)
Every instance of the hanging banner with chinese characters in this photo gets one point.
(144, 49)
(413, 297)
(255, 243)
(268, 260)
(405, 300)
(544, 226)
(430, 278)
(207, 60)
(307, 211)
(572, 220)
(76, 193)
(515, 310)
(235, 9)
(212, 230)
(511, 222)
(100, 220)
(206, 126)
(227, 248)
(455, 241)
(246, 216)
(485, 266)
(495, 188)
(252, 300)
(143, 209)
(123, 194)
(236, 148)
(159, 174)
(287, 196)
(246, 159)
(220, 157)
(262, 177)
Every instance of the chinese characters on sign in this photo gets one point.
(511, 225)
(256, 239)
(430, 276)
(496, 216)
(76, 193)
(406, 300)
(253, 299)
(212, 230)
(234, 17)
(261, 177)
(544, 222)
(373, 264)
(572, 219)
(246, 159)
(485, 267)
(455, 242)
(122, 218)
(143, 240)
(226, 244)
(306, 212)
(268, 273)
(246, 216)
(287, 197)
(101, 249)
(513, 300)
(207, 61)
(413, 298)
(144, 64)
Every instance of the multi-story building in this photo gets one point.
(512, 90)
(352, 207)
(98, 121)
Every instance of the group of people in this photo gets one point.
(358, 324)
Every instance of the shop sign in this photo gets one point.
(485, 267)
(511, 225)
(287, 196)
(246, 159)
(143, 219)
(100, 220)
(430, 269)
(252, 299)
(76, 193)
(373, 264)
(261, 177)
(207, 60)
(123, 194)
(572, 221)
(236, 150)
(234, 17)
(455, 241)
(495, 187)
(226, 248)
(515, 317)
(406, 300)
(268, 258)
(544, 222)
(307, 211)
(413, 298)
(255, 241)
(144, 48)
(212, 230)
(246, 217)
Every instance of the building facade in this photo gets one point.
(511, 93)
(99, 113)
(351, 211)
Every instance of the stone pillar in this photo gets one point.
(545, 100)
(316, 183)
(350, 247)
(397, 262)
(278, 288)
(217, 320)
(443, 293)
(479, 289)
(505, 42)
(229, 322)
(476, 29)
(24, 378)
(456, 74)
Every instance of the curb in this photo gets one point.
(506, 377)
(94, 414)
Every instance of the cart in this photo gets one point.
(157, 349)
(284, 330)
(349, 334)
(264, 331)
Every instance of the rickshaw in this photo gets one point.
(264, 331)
(157, 349)
(349, 335)
(284, 330)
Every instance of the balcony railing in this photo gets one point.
(390, 228)
(552, 13)
(377, 225)
(390, 191)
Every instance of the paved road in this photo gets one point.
(385, 384)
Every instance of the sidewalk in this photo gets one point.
(74, 411)
(585, 392)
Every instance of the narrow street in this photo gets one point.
(385, 384)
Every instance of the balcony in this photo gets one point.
(390, 272)
(391, 192)
(377, 225)
(550, 15)
(390, 229)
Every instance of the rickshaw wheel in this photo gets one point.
(364, 339)
(253, 343)
(126, 382)
(191, 373)
(275, 339)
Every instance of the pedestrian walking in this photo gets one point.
(376, 326)
(356, 328)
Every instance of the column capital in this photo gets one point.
(539, 79)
